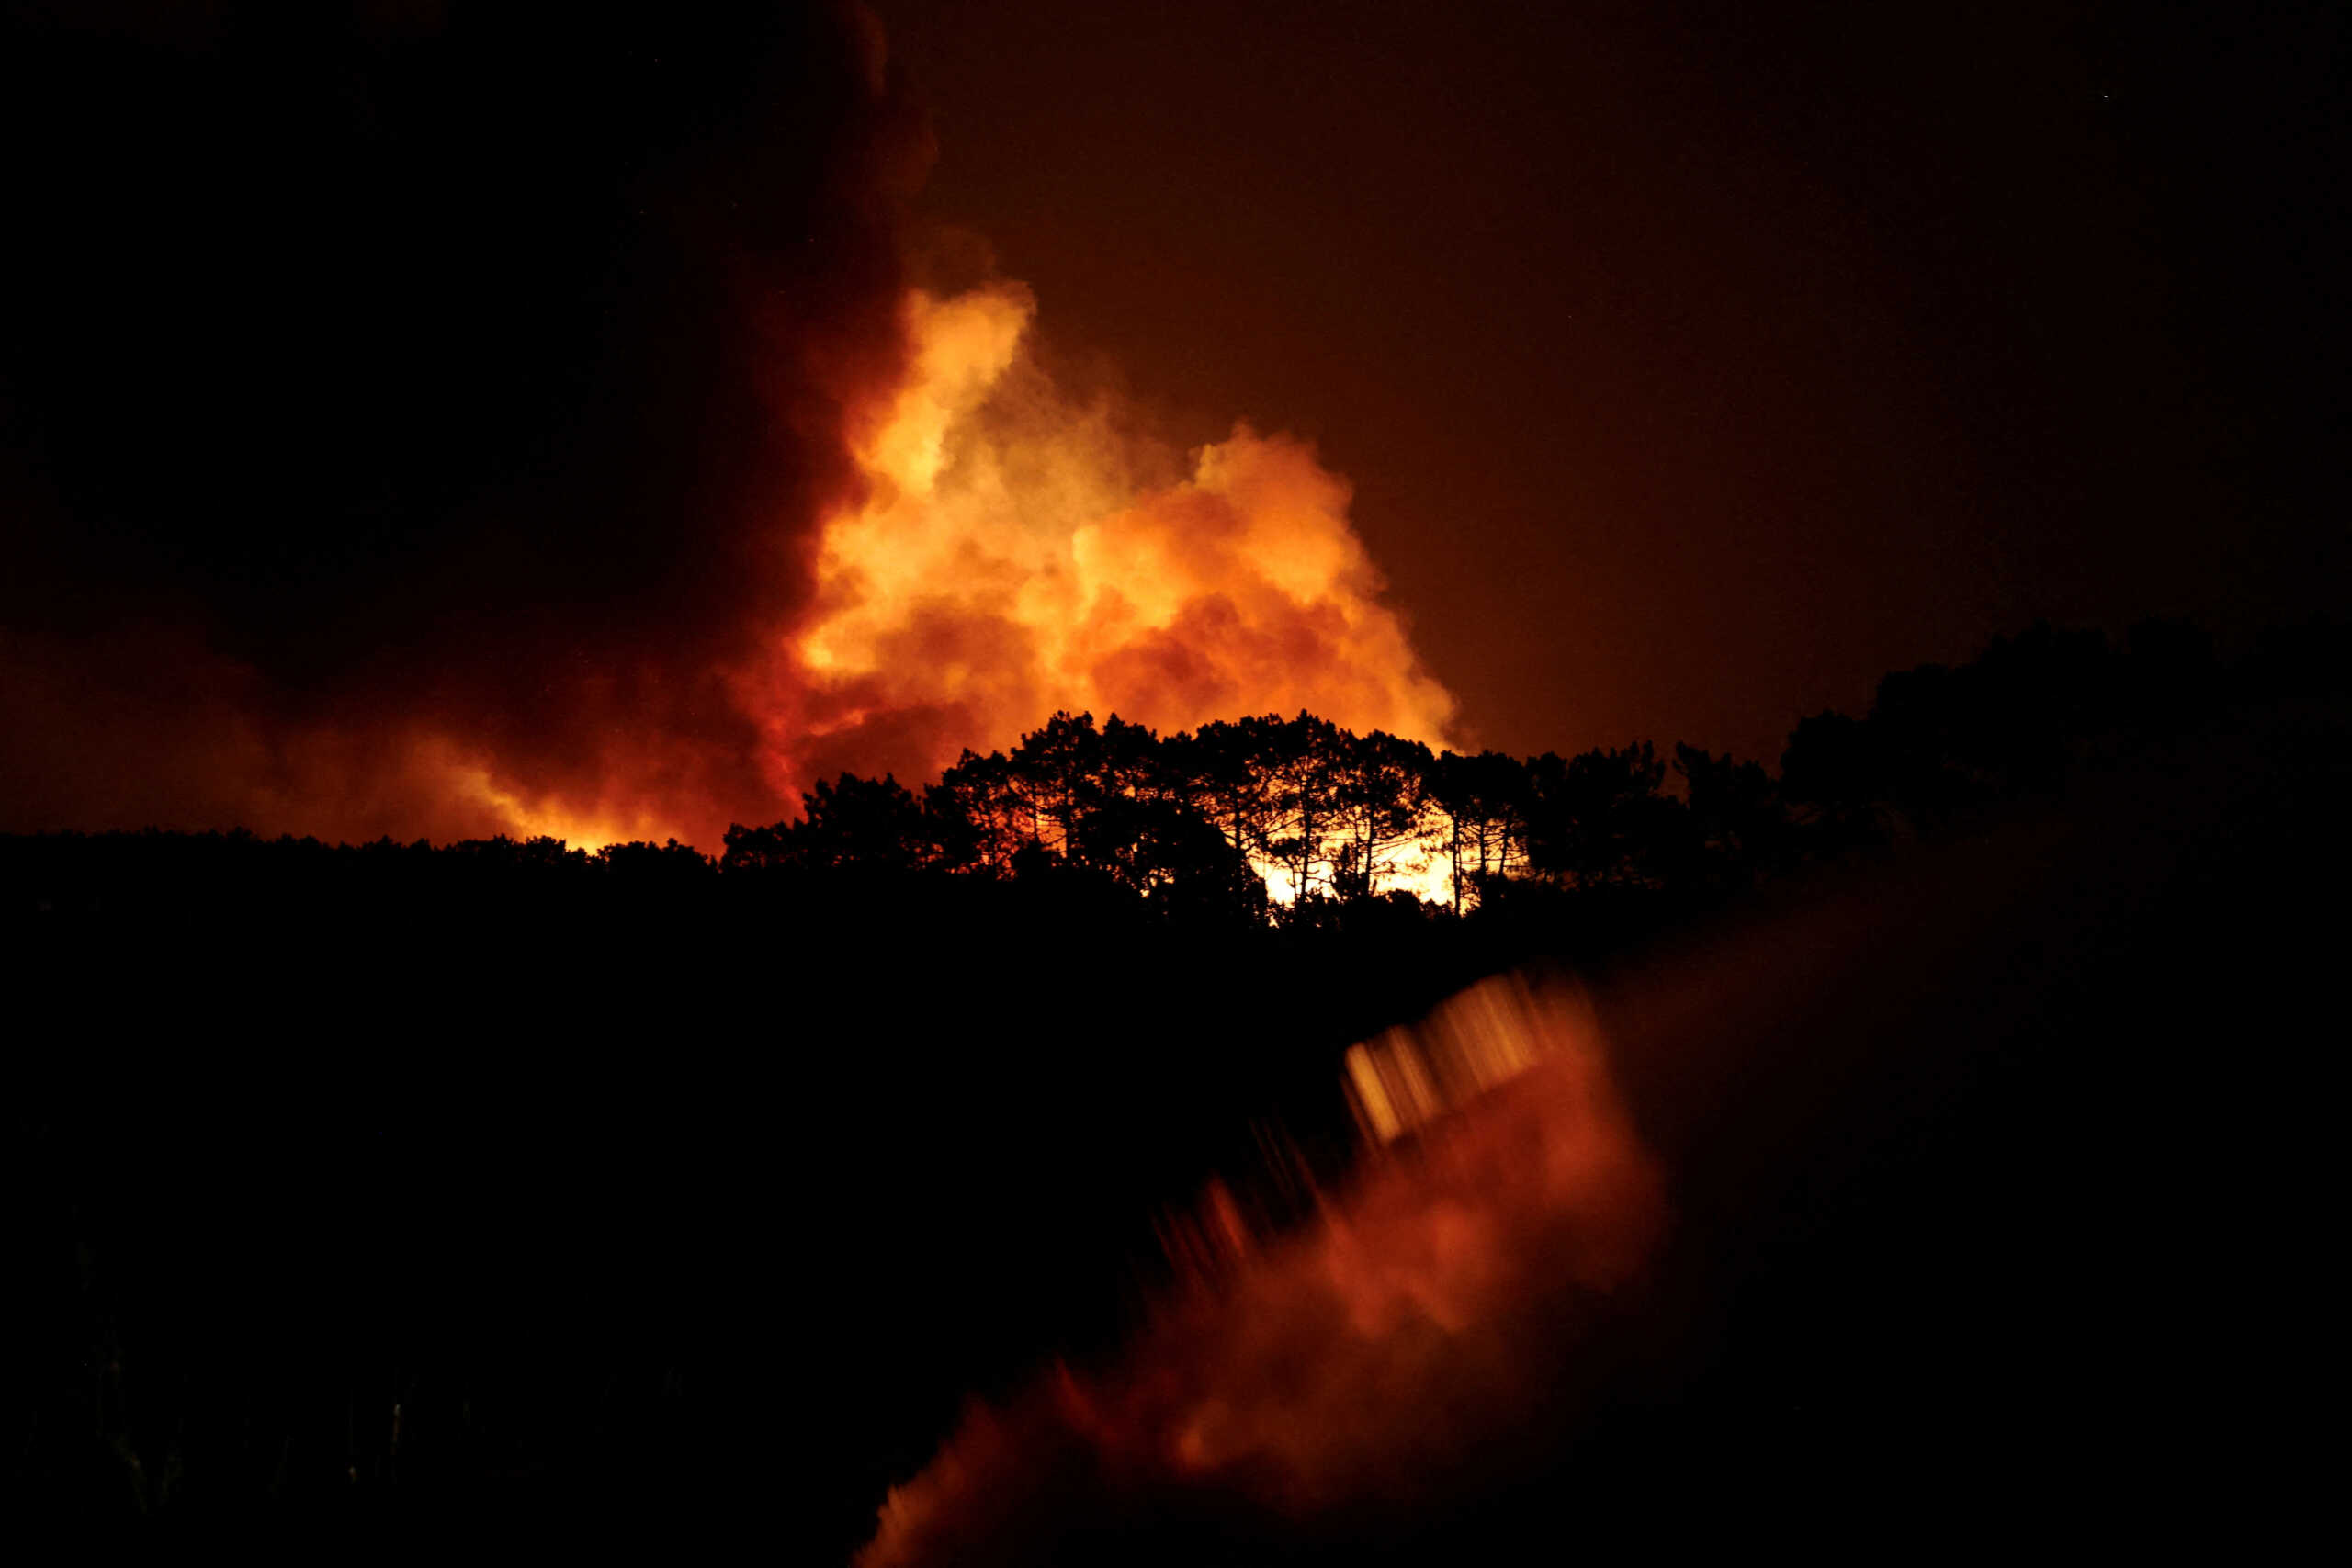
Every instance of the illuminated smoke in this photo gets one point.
(1014, 553)
(1011, 557)
(1018, 553)
(455, 554)
(1418, 1322)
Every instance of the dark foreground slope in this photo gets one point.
(2000, 1168)
(407, 1192)
(2002, 1179)
(2004, 1169)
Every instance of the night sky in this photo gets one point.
(1697, 363)
(419, 370)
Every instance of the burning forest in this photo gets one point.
(933, 785)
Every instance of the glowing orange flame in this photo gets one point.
(1415, 1324)
(1017, 554)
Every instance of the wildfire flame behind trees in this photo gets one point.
(1304, 813)
(1020, 551)
(1226, 820)
(1297, 811)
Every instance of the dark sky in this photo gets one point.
(1696, 364)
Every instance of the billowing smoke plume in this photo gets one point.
(1018, 553)
(441, 421)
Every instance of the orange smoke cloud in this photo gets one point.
(510, 563)
(1017, 553)
(1362, 1361)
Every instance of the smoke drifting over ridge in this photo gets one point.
(437, 422)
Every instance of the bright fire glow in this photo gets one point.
(1017, 553)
